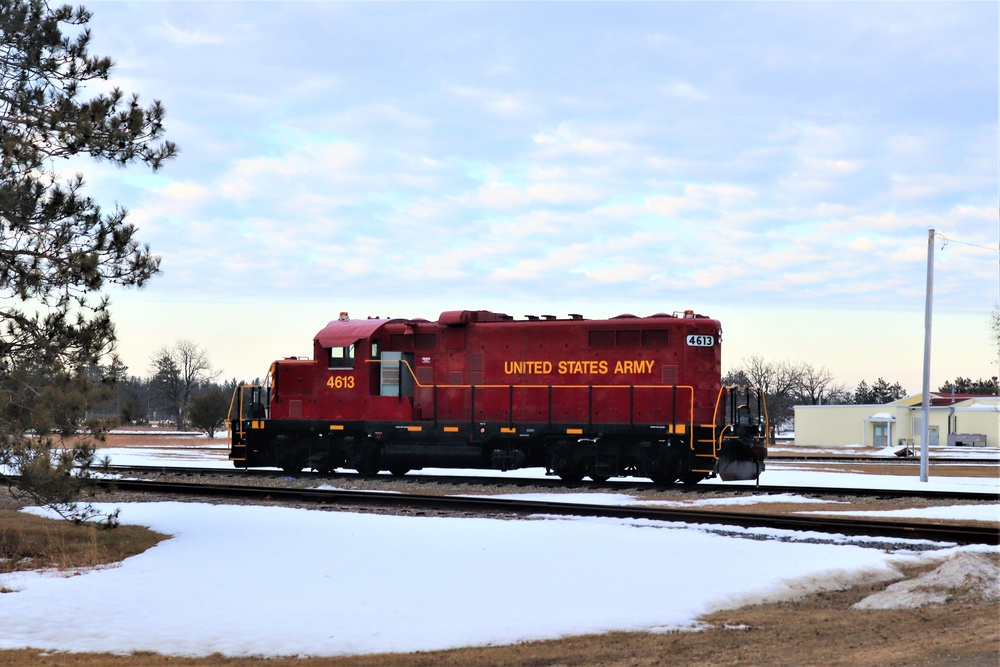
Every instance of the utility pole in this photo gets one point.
(928, 308)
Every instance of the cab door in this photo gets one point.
(396, 377)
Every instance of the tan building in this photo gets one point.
(954, 420)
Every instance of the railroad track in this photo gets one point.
(900, 460)
(619, 484)
(949, 533)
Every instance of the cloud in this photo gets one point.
(861, 244)
(495, 102)
(737, 165)
(709, 196)
(187, 37)
(686, 91)
(565, 140)
(309, 164)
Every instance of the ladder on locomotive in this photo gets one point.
(246, 406)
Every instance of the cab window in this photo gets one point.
(341, 357)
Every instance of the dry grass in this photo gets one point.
(156, 438)
(29, 542)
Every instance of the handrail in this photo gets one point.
(474, 387)
(762, 413)
(233, 403)
(229, 414)
(717, 435)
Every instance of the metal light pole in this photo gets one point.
(928, 307)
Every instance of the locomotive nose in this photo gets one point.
(743, 446)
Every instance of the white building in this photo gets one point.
(954, 420)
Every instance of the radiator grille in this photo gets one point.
(476, 368)
(627, 338)
(654, 338)
(605, 338)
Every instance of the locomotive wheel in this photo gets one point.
(692, 478)
(365, 459)
(399, 472)
(600, 479)
(570, 476)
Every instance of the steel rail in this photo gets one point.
(552, 482)
(951, 533)
(896, 460)
(931, 494)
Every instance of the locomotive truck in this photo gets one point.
(597, 398)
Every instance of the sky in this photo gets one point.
(372, 583)
(773, 165)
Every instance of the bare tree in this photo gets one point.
(780, 381)
(176, 372)
(817, 386)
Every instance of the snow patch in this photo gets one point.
(285, 581)
(968, 578)
(980, 512)
(798, 588)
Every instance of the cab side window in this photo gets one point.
(341, 357)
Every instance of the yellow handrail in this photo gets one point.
(418, 384)
(232, 403)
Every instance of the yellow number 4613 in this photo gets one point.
(340, 382)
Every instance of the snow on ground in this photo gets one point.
(970, 578)
(786, 474)
(990, 512)
(939, 452)
(254, 580)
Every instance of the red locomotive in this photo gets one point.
(629, 395)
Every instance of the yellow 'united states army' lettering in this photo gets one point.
(527, 367)
(579, 367)
(639, 366)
